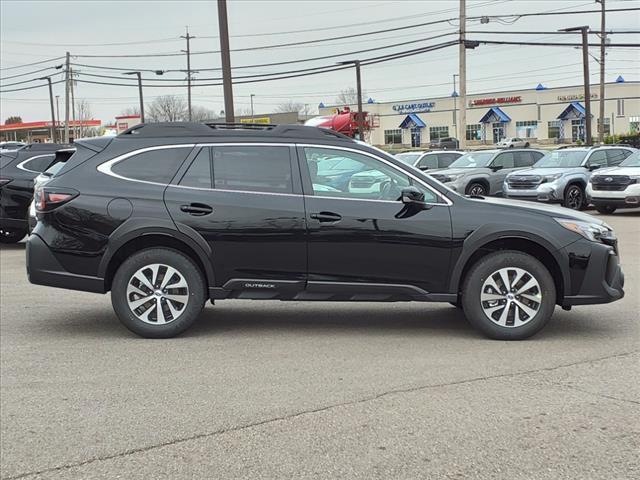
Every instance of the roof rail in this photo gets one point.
(193, 129)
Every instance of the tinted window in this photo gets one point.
(255, 169)
(199, 172)
(562, 159)
(38, 163)
(446, 159)
(371, 180)
(616, 156)
(158, 166)
(599, 157)
(429, 161)
(524, 159)
(505, 160)
(5, 160)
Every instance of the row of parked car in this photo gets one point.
(604, 176)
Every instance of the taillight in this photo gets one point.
(4, 181)
(47, 199)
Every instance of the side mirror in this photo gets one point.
(593, 167)
(412, 196)
(495, 168)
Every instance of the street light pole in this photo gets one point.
(139, 75)
(53, 115)
(603, 40)
(188, 52)
(455, 95)
(359, 118)
(462, 59)
(251, 97)
(57, 110)
(584, 30)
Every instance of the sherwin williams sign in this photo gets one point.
(413, 107)
(494, 101)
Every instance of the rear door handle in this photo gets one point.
(326, 217)
(197, 209)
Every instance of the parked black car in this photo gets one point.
(18, 168)
(444, 143)
(166, 216)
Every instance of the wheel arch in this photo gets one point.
(532, 244)
(134, 240)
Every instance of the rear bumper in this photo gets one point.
(599, 277)
(44, 269)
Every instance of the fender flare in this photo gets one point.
(491, 232)
(139, 227)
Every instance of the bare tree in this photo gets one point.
(201, 114)
(166, 108)
(130, 111)
(83, 110)
(349, 96)
(290, 106)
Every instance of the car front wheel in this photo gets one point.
(476, 189)
(508, 295)
(574, 197)
(12, 235)
(158, 292)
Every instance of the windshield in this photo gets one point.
(632, 161)
(561, 159)
(408, 158)
(473, 160)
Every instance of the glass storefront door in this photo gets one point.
(416, 137)
(577, 130)
(498, 131)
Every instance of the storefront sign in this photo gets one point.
(256, 120)
(413, 107)
(577, 96)
(494, 101)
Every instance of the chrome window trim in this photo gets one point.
(107, 166)
(21, 164)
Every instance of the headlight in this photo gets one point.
(591, 231)
(551, 178)
(451, 178)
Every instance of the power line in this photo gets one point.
(31, 88)
(30, 80)
(31, 64)
(27, 73)
(555, 44)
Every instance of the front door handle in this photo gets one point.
(326, 217)
(196, 209)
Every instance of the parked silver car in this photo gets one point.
(512, 142)
(431, 159)
(483, 172)
(562, 175)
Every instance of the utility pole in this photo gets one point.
(603, 40)
(188, 37)
(462, 58)
(251, 97)
(139, 75)
(584, 30)
(53, 116)
(67, 89)
(454, 94)
(73, 111)
(359, 117)
(57, 112)
(226, 61)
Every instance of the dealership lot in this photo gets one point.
(325, 390)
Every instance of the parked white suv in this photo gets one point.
(430, 160)
(512, 142)
(617, 187)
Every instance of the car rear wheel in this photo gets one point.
(158, 293)
(509, 295)
(12, 235)
(476, 189)
(526, 145)
(606, 209)
(574, 197)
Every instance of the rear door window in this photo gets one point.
(524, 159)
(599, 157)
(446, 159)
(252, 168)
(199, 173)
(429, 161)
(615, 156)
(157, 166)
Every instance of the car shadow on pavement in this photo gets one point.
(317, 319)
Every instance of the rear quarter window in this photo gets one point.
(157, 166)
(38, 163)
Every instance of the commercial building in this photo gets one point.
(540, 115)
(41, 131)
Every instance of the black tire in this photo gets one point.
(476, 188)
(482, 270)
(574, 197)
(510, 146)
(195, 295)
(606, 209)
(526, 145)
(12, 235)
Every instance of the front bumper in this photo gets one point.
(629, 197)
(44, 269)
(545, 192)
(596, 274)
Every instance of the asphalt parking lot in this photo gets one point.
(304, 390)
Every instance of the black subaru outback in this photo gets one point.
(167, 216)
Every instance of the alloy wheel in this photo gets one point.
(511, 297)
(157, 294)
(574, 198)
(477, 190)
